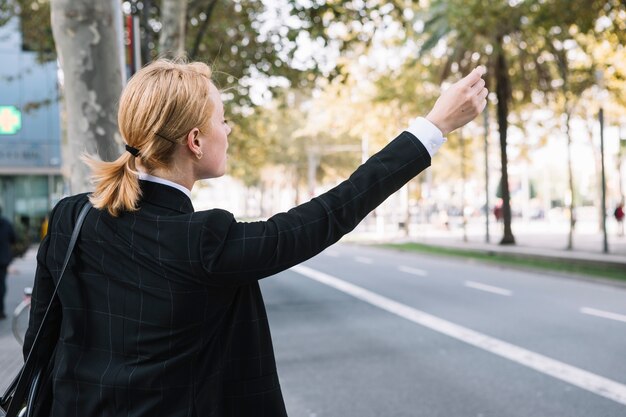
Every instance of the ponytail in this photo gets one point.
(116, 184)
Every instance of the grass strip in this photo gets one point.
(578, 267)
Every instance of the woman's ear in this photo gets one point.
(193, 143)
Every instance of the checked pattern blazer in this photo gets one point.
(160, 312)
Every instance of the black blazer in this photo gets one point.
(160, 312)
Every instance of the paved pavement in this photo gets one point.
(535, 238)
(21, 274)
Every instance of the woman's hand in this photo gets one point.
(460, 103)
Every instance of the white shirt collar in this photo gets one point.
(147, 177)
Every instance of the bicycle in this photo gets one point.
(21, 315)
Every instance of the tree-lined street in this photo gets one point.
(312, 89)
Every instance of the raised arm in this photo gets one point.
(251, 251)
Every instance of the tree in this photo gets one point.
(510, 38)
(472, 38)
(173, 24)
(579, 52)
(89, 50)
(575, 79)
(605, 53)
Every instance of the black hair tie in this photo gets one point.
(133, 151)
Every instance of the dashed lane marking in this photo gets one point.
(488, 288)
(363, 260)
(604, 314)
(413, 271)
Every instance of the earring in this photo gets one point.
(199, 155)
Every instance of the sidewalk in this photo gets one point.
(21, 274)
(533, 239)
(587, 248)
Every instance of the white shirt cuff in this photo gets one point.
(427, 133)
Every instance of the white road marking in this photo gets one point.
(363, 260)
(488, 288)
(583, 379)
(604, 314)
(414, 271)
(332, 254)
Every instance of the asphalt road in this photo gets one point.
(419, 335)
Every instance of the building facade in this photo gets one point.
(30, 134)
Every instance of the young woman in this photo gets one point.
(160, 312)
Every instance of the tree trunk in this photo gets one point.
(88, 45)
(597, 159)
(147, 33)
(502, 93)
(172, 37)
(202, 30)
(570, 177)
(563, 66)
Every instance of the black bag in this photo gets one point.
(30, 391)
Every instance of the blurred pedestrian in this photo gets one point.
(498, 212)
(43, 230)
(7, 239)
(619, 217)
(161, 312)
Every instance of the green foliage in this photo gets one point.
(245, 40)
(357, 21)
(36, 28)
(34, 16)
(249, 144)
(7, 11)
(231, 40)
(248, 38)
(412, 90)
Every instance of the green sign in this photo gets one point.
(10, 120)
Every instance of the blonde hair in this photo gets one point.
(160, 104)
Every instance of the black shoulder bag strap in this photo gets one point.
(27, 379)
